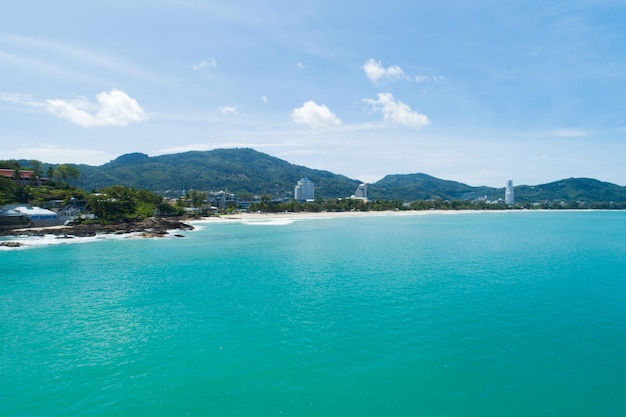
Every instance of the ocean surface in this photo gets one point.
(468, 314)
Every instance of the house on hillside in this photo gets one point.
(70, 213)
(21, 176)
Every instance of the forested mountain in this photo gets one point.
(412, 187)
(246, 171)
(572, 189)
(233, 170)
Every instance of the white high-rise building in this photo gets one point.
(509, 197)
(361, 192)
(304, 190)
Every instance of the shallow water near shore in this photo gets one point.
(498, 314)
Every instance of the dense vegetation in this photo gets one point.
(248, 172)
(110, 204)
(411, 187)
(120, 203)
(572, 190)
(268, 182)
(338, 205)
(234, 170)
(36, 192)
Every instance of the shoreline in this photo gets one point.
(260, 218)
(145, 228)
(302, 215)
(244, 216)
(153, 228)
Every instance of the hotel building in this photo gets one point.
(360, 193)
(509, 197)
(304, 190)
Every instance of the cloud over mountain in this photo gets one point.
(114, 108)
(397, 111)
(315, 115)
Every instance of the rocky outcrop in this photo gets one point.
(11, 244)
(150, 227)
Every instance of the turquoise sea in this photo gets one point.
(468, 314)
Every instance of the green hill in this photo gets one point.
(233, 170)
(422, 187)
(246, 171)
(412, 187)
(572, 189)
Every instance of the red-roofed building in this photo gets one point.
(25, 176)
(10, 173)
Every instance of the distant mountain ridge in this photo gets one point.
(245, 170)
(412, 187)
(240, 170)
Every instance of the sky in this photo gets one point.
(472, 91)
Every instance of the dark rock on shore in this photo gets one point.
(11, 244)
(150, 227)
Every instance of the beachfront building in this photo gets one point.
(10, 218)
(509, 197)
(39, 216)
(360, 193)
(304, 191)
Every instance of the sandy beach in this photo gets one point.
(39, 236)
(252, 217)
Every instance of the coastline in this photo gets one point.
(167, 227)
(305, 215)
(145, 228)
(302, 215)
(152, 228)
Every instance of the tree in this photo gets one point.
(37, 168)
(63, 173)
(8, 190)
(113, 204)
(197, 198)
(120, 203)
(10, 164)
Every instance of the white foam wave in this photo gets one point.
(49, 240)
(271, 222)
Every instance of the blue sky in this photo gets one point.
(472, 91)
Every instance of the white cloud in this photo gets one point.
(397, 111)
(114, 108)
(228, 109)
(375, 71)
(315, 115)
(18, 98)
(299, 65)
(67, 52)
(569, 132)
(426, 78)
(206, 63)
(58, 155)
(264, 98)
